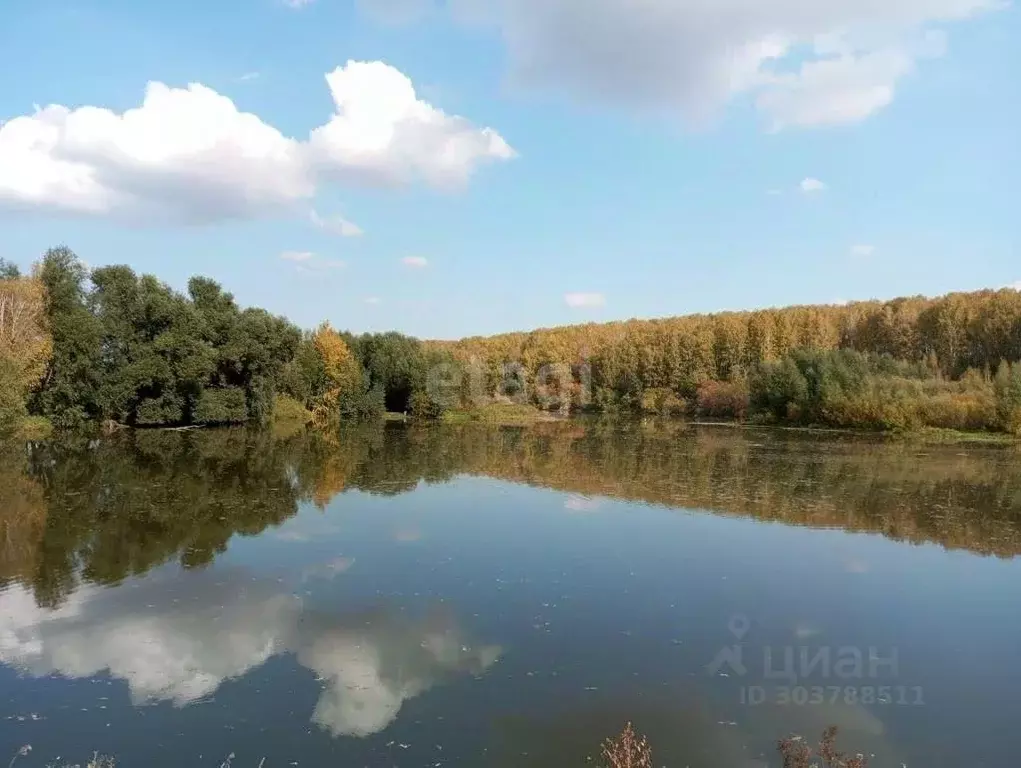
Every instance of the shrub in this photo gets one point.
(225, 405)
(422, 405)
(797, 753)
(779, 389)
(367, 402)
(154, 411)
(1007, 389)
(723, 399)
(35, 428)
(661, 400)
(629, 750)
(958, 410)
(287, 410)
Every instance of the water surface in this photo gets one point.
(507, 597)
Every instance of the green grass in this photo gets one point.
(954, 436)
(501, 414)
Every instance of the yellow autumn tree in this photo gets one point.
(343, 374)
(25, 343)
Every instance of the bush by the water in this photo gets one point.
(845, 388)
(723, 399)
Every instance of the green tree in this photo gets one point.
(396, 364)
(9, 270)
(69, 394)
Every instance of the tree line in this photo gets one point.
(950, 361)
(81, 345)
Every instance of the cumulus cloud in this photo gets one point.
(206, 633)
(579, 300)
(810, 186)
(382, 132)
(804, 64)
(862, 251)
(372, 664)
(179, 640)
(190, 155)
(417, 262)
(1016, 285)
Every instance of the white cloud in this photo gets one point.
(189, 155)
(297, 4)
(802, 63)
(338, 225)
(578, 300)
(297, 256)
(774, 192)
(180, 654)
(830, 91)
(1016, 285)
(417, 262)
(373, 665)
(186, 153)
(578, 503)
(383, 133)
(179, 640)
(249, 76)
(306, 261)
(810, 186)
(862, 251)
(373, 300)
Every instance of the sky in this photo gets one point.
(459, 167)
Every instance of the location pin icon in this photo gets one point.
(739, 626)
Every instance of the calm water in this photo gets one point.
(507, 597)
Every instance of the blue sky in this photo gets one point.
(556, 162)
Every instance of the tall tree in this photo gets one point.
(69, 394)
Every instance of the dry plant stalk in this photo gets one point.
(796, 753)
(629, 750)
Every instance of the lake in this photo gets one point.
(477, 596)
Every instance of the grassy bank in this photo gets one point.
(499, 414)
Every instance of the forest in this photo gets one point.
(81, 347)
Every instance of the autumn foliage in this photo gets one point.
(81, 345)
(341, 371)
(25, 342)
